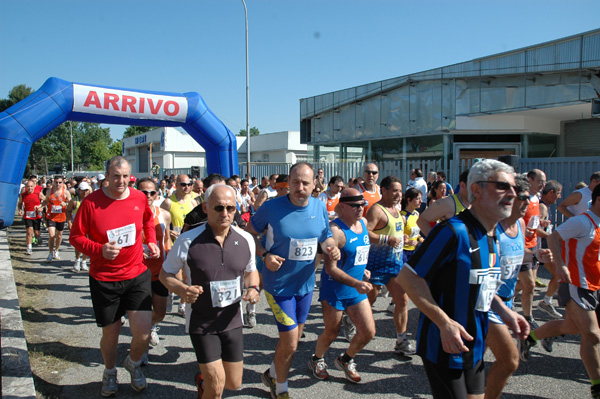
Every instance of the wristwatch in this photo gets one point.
(264, 255)
(256, 287)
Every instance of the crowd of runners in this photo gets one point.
(461, 254)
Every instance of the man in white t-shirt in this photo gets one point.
(580, 200)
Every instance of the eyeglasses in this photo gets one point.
(150, 193)
(356, 205)
(523, 197)
(371, 172)
(59, 182)
(220, 208)
(186, 184)
(500, 185)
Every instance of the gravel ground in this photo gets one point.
(63, 343)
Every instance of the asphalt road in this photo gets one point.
(69, 329)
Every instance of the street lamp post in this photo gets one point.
(247, 96)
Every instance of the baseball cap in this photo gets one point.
(84, 186)
(100, 176)
(132, 178)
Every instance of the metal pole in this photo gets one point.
(72, 168)
(247, 97)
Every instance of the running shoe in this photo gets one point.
(181, 309)
(250, 317)
(50, 257)
(318, 368)
(56, 255)
(595, 390)
(77, 265)
(29, 251)
(154, 335)
(269, 382)
(349, 369)
(138, 381)
(283, 395)
(548, 343)
(384, 292)
(199, 382)
(34, 241)
(391, 307)
(549, 310)
(144, 359)
(348, 327)
(539, 284)
(170, 302)
(84, 266)
(532, 323)
(404, 348)
(524, 345)
(39, 242)
(110, 384)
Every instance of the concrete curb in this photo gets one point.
(17, 379)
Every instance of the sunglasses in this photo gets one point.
(150, 193)
(186, 184)
(371, 172)
(523, 197)
(357, 205)
(220, 208)
(500, 185)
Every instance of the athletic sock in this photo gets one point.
(401, 336)
(316, 358)
(548, 300)
(281, 387)
(272, 371)
(345, 358)
(252, 307)
(111, 371)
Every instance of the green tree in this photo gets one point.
(135, 130)
(253, 132)
(15, 95)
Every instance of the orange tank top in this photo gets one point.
(56, 211)
(156, 264)
(371, 197)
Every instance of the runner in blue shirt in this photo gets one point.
(296, 225)
(450, 281)
(344, 288)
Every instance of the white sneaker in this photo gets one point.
(110, 384)
(404, 348)
(77, 265)
(181, 309)
(50, 257)
(84, 266)
(29, 251)
(154, 335)
(170, 302)
(384, 292)
(391, 307)
(56, 255)
(138, 381)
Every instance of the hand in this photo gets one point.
(545, 223)
(412, 243)
(367, 275)
(517, 323)
(174, 235)
(394, 242)
(334, 253)
(192, 292)
(544, 255)
(452, 335)
(110, 251)
(20, 212)
(363, 287)
(154, 251)
(563, 274)
(251, 295)
(273, 262)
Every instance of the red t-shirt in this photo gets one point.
(96, 217)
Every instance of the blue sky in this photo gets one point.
(298, 48)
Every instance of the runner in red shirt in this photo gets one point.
(108, 228)
(30, 207)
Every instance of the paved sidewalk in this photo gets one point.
(62, 322)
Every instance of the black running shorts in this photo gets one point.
(60, 226)
(228, 346)
(35, 223)
(449, 383)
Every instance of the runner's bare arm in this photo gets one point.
(572, 199)
(441, 209)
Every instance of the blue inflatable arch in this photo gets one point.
(58, 101)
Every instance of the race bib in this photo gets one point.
(31, 214)
(224, 293)
(487, 290)
(414, 232)
(534, 222)
(400, 247)
(362, 255)
(510, 266)
(56, 209)
(305, 249)
(123, 236)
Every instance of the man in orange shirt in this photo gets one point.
(56, 204)
(369, 189)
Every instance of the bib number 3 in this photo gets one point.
(303, 249)
(224, 293)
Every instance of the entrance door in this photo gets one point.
(465, 153)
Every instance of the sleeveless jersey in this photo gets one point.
(458, 205)
(30, 201)
(77, 203)
(330, 203)
(532, 220)
(383, 257)
(56, 212)
(178, 211)
(511, 251)
(584, 204)
(353, 262)
(411, 229)
(159, 225)
(371, 196)
(582, 254)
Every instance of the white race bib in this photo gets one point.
(400, 247)
(414, 232)
(56, 209)
(303, 249)
(224, 293)
(534, 222)
(123, 236)
(31, 214)
(362, 255)
(510, 266)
